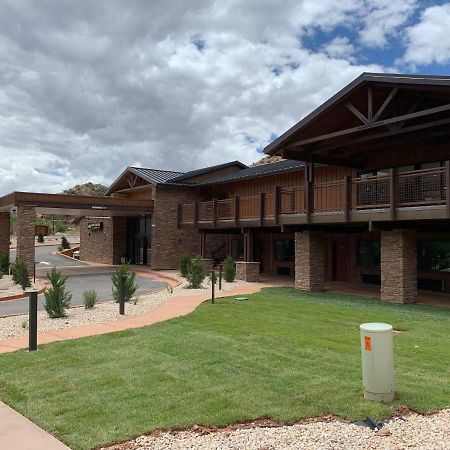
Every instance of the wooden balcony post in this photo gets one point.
(195, 214)
(447, 186)
(277, 204)
(307, 197)
(178, 215)
(347, 199)
(262, 199)
(203, 245)
(393, 193)
(236, 210)
(214, 212)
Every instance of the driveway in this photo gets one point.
(96, 278)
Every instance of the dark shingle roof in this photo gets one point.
(286, 165)
(155, 176)
(195, 173)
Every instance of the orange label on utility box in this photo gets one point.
(367, 344)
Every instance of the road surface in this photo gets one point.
(76, 284)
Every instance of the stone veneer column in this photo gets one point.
(399, 266)
(309, 261)
(247, 271)
(4, 234)
(26, 219)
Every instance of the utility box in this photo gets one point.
(377, 355)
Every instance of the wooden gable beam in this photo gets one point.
(385, 103)
(380, 123)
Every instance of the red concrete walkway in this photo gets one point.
(174, 307)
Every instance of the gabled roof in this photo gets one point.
(257, 171)
(152, 176)
(420, 83)
(195, 173)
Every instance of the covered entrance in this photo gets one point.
(103, 232)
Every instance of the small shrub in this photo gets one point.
(20, 273)
(229, 270)
(40, 237)
(57, 299)
(196, 273)
(130, 284)
(24, 324)
(1, 275)
(4, 264)
(90, 299)
(65, 244)
(61, 227)
(60, 248)
(185, 263)
(169, 289)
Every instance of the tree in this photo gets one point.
(57, 299)
(185, 263)
(229, 270)
(130, 284)
(196, 273)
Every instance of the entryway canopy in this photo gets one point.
(377, 121)
(76, 205)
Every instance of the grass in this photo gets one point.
(282, 354)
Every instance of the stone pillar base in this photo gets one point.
(26, 219)
(309, 261)
(247, 271)
(4, 234)
(399, 266)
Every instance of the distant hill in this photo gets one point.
(267, 160)
(87, 189)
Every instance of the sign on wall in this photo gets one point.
(95, 226)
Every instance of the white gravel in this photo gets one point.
(15, 326)
(8, 287)
(410, 432)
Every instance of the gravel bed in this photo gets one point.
(15, 326)
(409, 432)
(8, 287)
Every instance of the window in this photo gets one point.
(284, 250)
(237, 249)
(433, 256)
(369, 254)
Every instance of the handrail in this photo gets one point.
(424, 187)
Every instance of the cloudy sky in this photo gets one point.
(89, 87)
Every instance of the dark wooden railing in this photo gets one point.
(390, 191)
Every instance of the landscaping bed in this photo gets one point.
(15, 326)
(9, 289)
(282, 354)
(411, 431)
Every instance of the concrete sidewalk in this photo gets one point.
(18, 433)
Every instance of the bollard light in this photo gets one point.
(220, 277)
(32, 320)
(213, 285)
(122, 283)
(377, 357)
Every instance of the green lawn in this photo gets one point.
(283, 354)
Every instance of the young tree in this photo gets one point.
(130, 284)
(196, 274)
(229, 270)
(20, 273)
(57, 299)
(185, 263)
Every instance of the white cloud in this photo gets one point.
(87, 88)
(383, 19)
(340, 47)
(428, 41)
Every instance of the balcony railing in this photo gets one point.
(391, 191)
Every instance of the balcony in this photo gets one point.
(419, 194)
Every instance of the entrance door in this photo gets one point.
(138, 231)
(340, 260)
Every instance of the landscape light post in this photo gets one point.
(220, 277)
(123, 280)
(32, 320)
(34, 268)
(213, 285)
